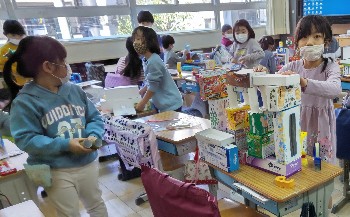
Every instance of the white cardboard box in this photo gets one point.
(215, 137)
(276, 80)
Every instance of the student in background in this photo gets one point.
(129, 69)
(268, 44)
(227, 36)
(145, 18)
(246, 49)
(55, 115)
(170, 57)
(332, 50)
(14, 32)
(160, 88)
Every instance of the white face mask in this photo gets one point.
(241, 38)
(14, 41)
(67, 77)
(229, 36)
(312, 53)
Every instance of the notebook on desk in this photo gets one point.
(121, 100)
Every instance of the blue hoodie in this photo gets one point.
(167, 96)
(43, 122)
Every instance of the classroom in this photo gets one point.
(174, 108)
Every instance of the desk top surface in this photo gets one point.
(186, 75)
(25, 209)
(305, 180)
(15, 161)
(180, 135)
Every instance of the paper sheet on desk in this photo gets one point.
(9, 151)
(255, 195)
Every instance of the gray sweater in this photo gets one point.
(249, 50)
(171, 58)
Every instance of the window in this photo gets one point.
(168, 22)
(193, 1)
(227, 1)
(154, 2)
(255, 17)
(78, 27)
(67, 3)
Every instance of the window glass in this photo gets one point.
(70, 3)
(78, 27)
(255, 17)
(154, 2)
(193, 1)
(228, 1)
(178, 21)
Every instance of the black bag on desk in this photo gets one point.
(96, 72)
(343, 133)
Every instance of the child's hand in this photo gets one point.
(288, 73)
(142, 91)
(76, 148)
(242, 60)
(140, 107)
(260, 68)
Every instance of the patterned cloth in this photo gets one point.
(136, 142)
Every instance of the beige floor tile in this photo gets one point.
(125, 187)
(117, 208)
(146, 212)
(129, 199)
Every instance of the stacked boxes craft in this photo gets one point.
(238, 118)
(260, 146)
(212, 84)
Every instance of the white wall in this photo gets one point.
(95, 50)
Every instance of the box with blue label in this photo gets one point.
(216, 147)
(224, 157)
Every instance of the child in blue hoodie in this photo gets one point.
(49, 117)
(160, 87)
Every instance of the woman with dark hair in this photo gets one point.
(129, 69)
(50, 117)
(267, 44)
(160, 88)
(246, 49)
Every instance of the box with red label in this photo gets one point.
(212, 84)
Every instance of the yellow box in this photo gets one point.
(238, 118)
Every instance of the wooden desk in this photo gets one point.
(186, 76)
(180, 141)
(24, 209)
(310, 185)
(17, 187)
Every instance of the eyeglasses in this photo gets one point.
(65, 65)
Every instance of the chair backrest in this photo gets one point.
(342, 133)
(136, 142)
(173, 198)
(116, 80)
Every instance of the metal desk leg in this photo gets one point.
(346, 189)
(213, 188)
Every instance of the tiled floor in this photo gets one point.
(120, 196)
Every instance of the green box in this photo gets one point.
(260, 146)
(261, 123)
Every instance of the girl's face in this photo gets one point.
(315, 38)
(241, 30)
(139, 43)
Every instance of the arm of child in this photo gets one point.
(141, 105)
(28, 132)
(330, 88)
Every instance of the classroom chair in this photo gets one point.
(136, 144)
(173, 198)
(343, 152)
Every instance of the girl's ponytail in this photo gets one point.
(12, 86)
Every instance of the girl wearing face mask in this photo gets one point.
(246, 49)
(49, 118)
(14, 32)
(160, 88)
(320, 83)
(227, 36)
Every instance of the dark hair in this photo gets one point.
(133, 62)
(150, 38)
(31, 53)
(304, 28)
(243, 22)
(266, 41)
(167, 40)
(145, 16)
(225, 28)
(13, 27)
